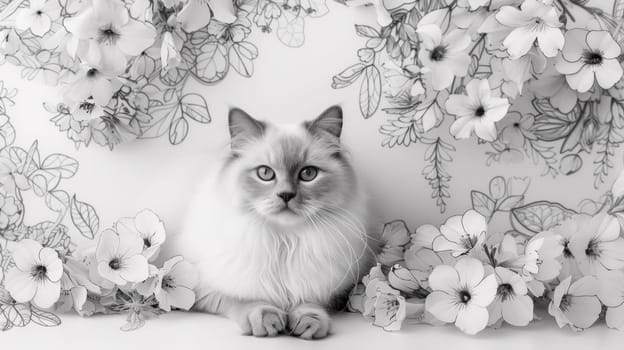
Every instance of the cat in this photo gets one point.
(280, 231)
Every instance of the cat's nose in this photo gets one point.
(286, 196)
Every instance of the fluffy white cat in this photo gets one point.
(280, 229)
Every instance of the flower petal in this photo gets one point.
(54, 266)
(47, 294)
(108, 246)
(474, 223)
(443, 306)
(470, 271)
(518, 311)
(20, 285)
(135, 37)
(583, 311)
(472, 319)
(609, 73)
(615, 317)
(519, 42)
(581, 81)
(485, 292)
(444, 278)
(185, 275)
(134, 269)
(26, 254)
(180, 297)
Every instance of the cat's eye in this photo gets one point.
(265, 173)
(308, 173)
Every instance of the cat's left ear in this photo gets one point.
(330, 121)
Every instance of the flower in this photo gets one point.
(477, 111)
(385, 304)
(37, 17)
(90, 89)
(36, 275)
(517, 129)
(173, 284)
(444, 56)
(588, 57)
(112, 35)
(569, 230)
(119, 258)
(147, 226)
(553, 85)
(512, 304)
(598, 245)
(75, 285)
(460, 234)
(404, 279)
(611, 294)
(461, 294)
(576, 304)
(395, 236)
(196, 14)
(533, 21)
(9, 211)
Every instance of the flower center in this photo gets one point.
(168, 283)
(87, 106)
(566, 302)
(592, 57)
(108, 34)
(567, 253)
(480, 111)
(146, 242)
(464, 296)
(468, 242)
(38, 12)
(39, 272)
(505, 291)
(438, 53)
(115, 264)
(92, 73)
(593, 250)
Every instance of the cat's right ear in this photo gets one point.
(243, 128)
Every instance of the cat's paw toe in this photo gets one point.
(309, 323)
(265, 321)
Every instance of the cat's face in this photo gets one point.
(290, 175)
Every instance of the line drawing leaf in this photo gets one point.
(194, 106)
(85, 218)
(482, 203)
(370, 92)
(290, 29)
(178, 130)
(65, 166)
(539, 216)
(44, 318)
(348, 76)
(366, 31)
(212, 62)
(241, 56)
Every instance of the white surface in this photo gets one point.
(182, 331)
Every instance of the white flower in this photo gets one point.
(512, 303)
(533, 21)
(147, 226)
(37, 17)
(461, 234)
(119, 258)
(611, 294)
(36, 275)
(477, 111)
(385, 304)
(598, 246)
(172, 285)
(111, 33)
(90, 82)
(444, 56)
(461, 294)
(576, 305)
(196, 14)
(395, 236)
(590, 56)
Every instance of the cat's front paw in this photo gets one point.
(263, 320)
(309, 321)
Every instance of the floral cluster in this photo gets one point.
(536, 80)
(123, 65)
(474, 277)
(116, 276)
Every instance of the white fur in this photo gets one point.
(240, 256)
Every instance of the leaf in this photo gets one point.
(212, 62)
(57, 201)
(17, 315)
(366, 31)
(498, 187)
(84, 218)
(370, 92)
(134, 321)
(483, 204)
(7, 132)
(509, 203)
(348, 76)
(194, 106)
(65, 166)
(539, 216)
(178, 131)
(44, 318)
(241, 57)
(39, 184)
(290, 30)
